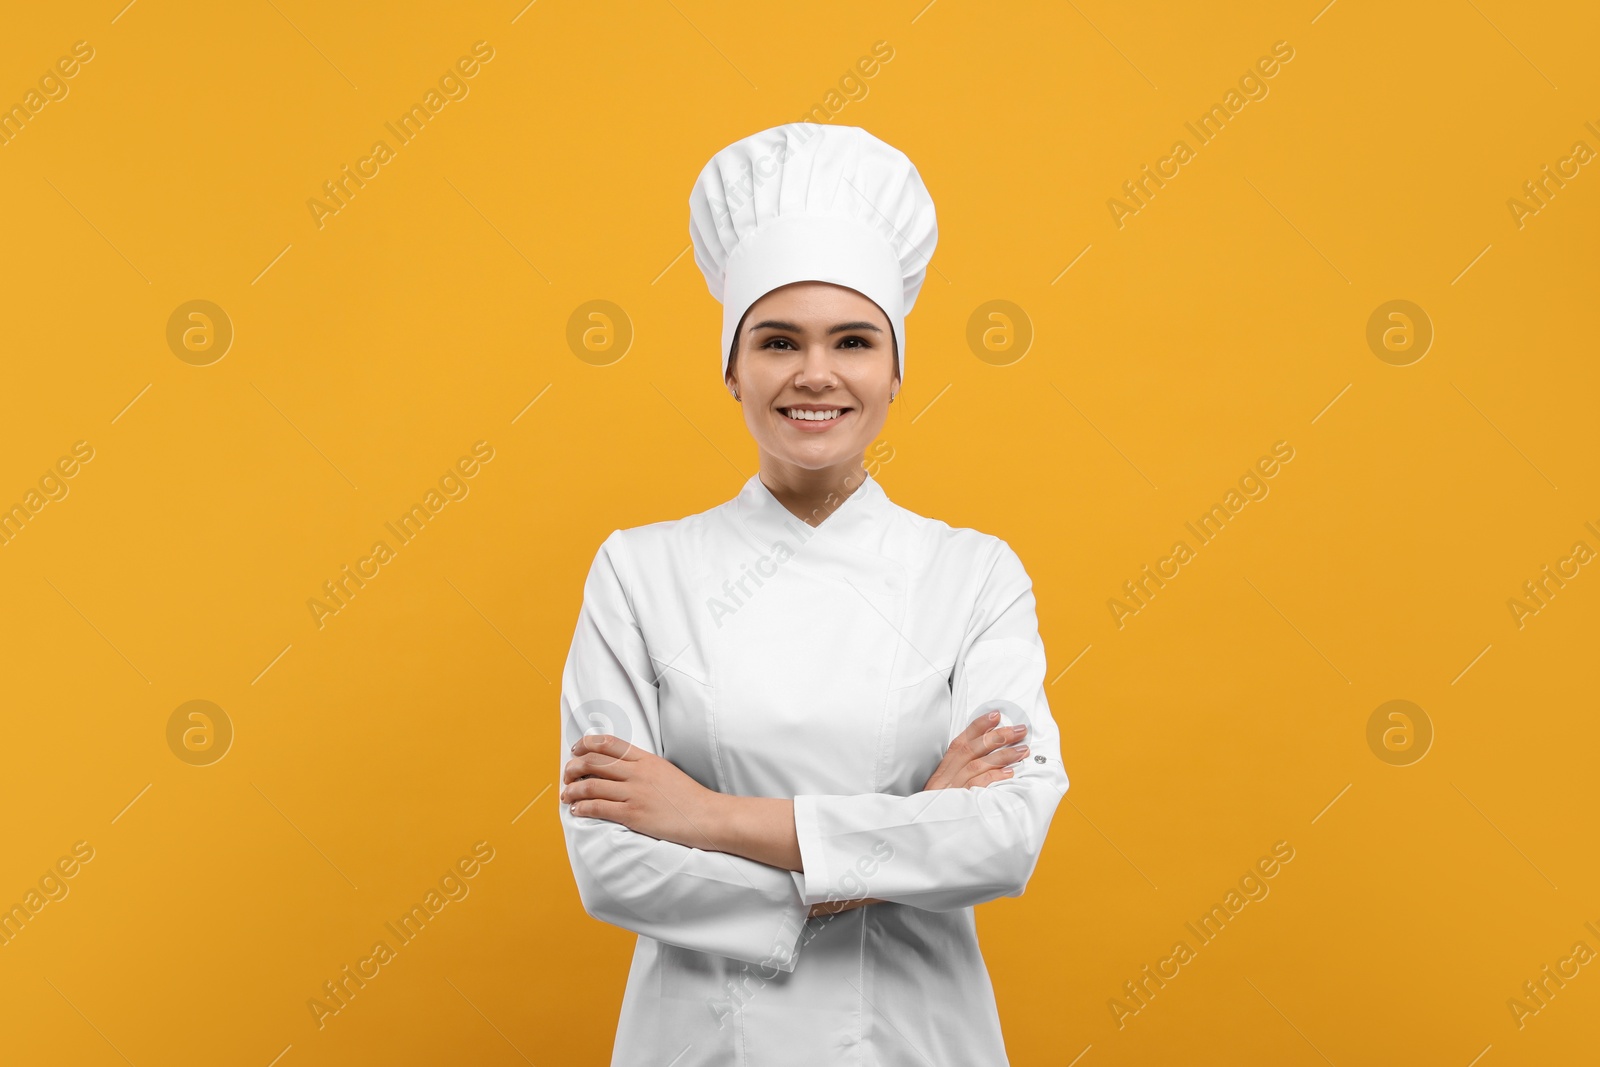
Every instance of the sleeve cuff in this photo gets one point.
(814, 880)
(787, 939)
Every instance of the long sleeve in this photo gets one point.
(711, 902)
(945, 849)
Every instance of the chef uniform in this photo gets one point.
(832, 664)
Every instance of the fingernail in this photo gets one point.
(1019, 730)
(994, 715)
(1022, 750)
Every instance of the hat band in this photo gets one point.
(819, 248)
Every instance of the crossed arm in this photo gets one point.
(610, 779)
(654, 852)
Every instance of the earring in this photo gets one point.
(736, 395)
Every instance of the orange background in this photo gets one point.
(370, 353)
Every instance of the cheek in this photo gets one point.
(873, 392)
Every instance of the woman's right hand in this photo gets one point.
(980, 754)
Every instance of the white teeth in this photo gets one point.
(813, 416)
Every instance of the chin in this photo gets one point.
(817, 459)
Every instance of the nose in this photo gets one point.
(816, 368)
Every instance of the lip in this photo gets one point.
(815, 426)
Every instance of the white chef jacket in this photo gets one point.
(831, 664)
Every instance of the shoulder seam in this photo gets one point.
(616, 558)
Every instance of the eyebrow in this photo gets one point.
(778, 324)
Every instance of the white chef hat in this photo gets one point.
(812, 202)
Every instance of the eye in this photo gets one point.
(859, 342)
(777, 340)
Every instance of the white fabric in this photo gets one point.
(830, 664)
(812, 202)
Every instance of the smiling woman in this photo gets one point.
(796, 807)
(815, 371)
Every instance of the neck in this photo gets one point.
(812, 495)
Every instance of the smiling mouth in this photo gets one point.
(813, 414)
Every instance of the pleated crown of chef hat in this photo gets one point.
(812, 202)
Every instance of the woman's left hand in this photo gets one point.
(609, 778)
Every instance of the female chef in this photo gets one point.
(805, 731)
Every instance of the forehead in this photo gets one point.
(816, 303)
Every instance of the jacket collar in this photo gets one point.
(765, 517)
